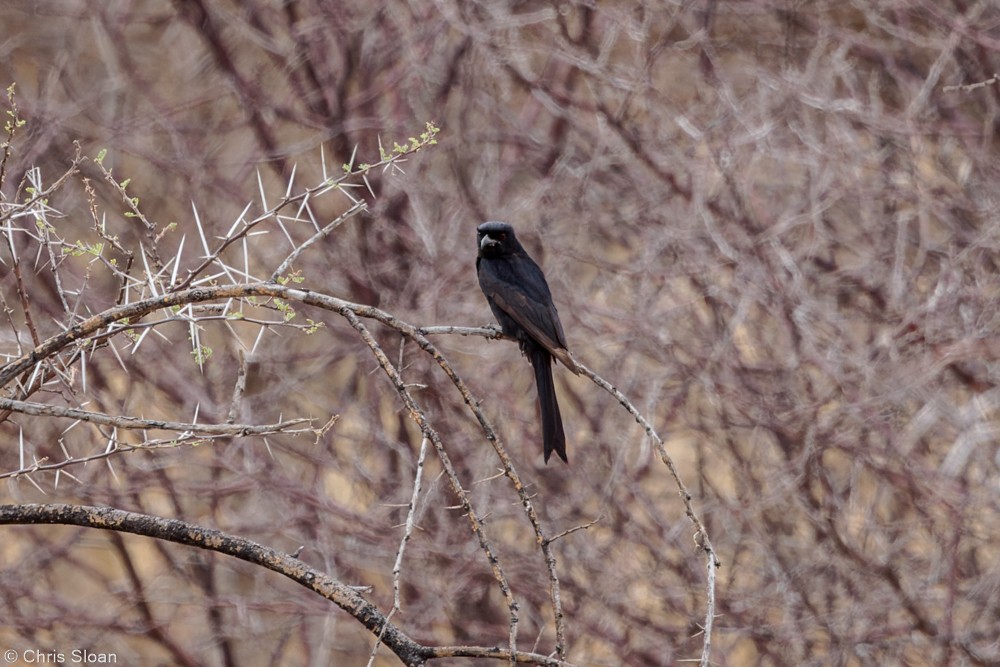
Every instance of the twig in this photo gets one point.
(397, 567)
(24, 207)
(965, 88)
(126, 422)
(117, 447)
(356, 208)
(21, 292)
(701, 535)
(485, 332)
(239, 388)
(135, 212)
(706, 644)
(573, 530)
(411, 512)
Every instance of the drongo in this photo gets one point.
(520, 300)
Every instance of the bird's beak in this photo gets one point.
(487, 242)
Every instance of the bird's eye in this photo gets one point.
(503, 236)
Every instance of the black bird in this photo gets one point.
(520, 299)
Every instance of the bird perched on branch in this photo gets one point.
(520, 299)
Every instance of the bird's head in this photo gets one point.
(496, 239)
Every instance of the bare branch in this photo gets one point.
(131, 423)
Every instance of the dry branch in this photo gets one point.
(410, 652)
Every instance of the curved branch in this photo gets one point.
(182, 532)
(409, 651)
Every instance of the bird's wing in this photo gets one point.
(539, 321)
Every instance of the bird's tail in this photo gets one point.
(553, 437)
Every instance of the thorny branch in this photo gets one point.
(127, 422)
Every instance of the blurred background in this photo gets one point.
(772, 224)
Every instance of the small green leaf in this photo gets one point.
(201, 354)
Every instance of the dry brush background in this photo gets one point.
(771, 224)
